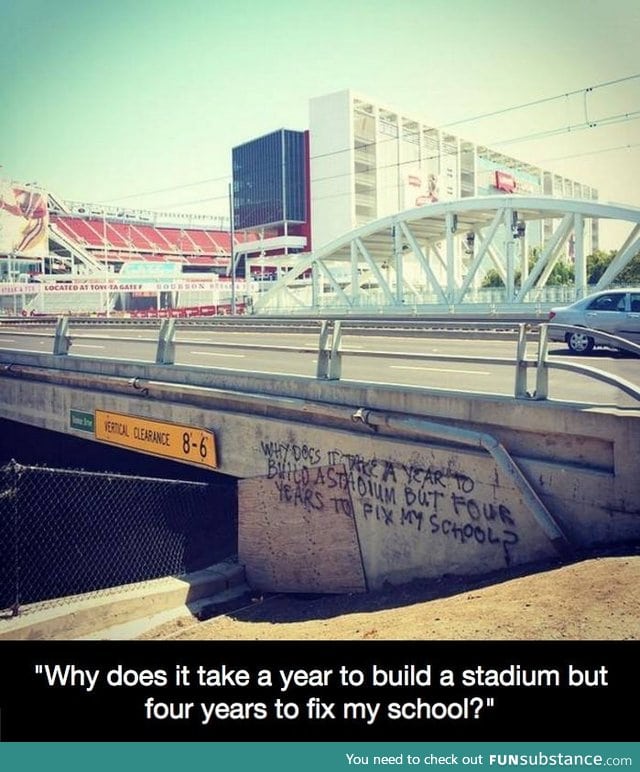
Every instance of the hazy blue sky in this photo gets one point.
(103, 100)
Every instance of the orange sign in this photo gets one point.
(159, 438)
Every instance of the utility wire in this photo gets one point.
(165, 190)
(378, 142)
(609, 120)
(542, 101)
(411, 162)
(590, 152)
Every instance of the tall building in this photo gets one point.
(369, 161)
(271, 195)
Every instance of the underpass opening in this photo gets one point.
(77, 516)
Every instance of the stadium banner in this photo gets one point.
(24, 221)
(32, 288)
(19, 288)
(133, 286)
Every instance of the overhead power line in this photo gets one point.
(542, 101)
(170, 189)
(224, 197)
(590, 152)
(609, 120)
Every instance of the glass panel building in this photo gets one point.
(270, 181)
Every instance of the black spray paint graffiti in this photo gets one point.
(434, 501)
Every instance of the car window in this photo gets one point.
(635, 302)
(611, 302)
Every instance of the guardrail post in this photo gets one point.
(521, 365)
(165, 355)
(542, 371)
(322, 368)
(335, 356)
(329, 356)
(62, 341)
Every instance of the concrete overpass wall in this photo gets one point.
(330, 502)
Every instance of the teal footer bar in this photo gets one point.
(317, 757)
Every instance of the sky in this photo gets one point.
(139, 102)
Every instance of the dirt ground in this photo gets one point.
(592, 599)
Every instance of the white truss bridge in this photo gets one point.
(437, 255)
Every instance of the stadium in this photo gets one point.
(369, 208)
(83, 259)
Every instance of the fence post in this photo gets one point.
(165, 355)
(10, 589)
(62, 341)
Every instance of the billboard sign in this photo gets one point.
(420, 189)
(24, 221)
(505, 182)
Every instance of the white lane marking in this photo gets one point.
(216, 354)
(438, 370)
(86, 345)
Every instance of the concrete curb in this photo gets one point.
(81, 615)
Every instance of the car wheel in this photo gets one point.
(579, 343)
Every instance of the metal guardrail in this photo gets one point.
(330, 352)
(374, 320)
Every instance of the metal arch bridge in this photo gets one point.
(437, 255)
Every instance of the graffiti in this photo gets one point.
(288, 452)
(303, 486)
(300, 496)
(467, 532)
(436, 502)
(378, 511)
(422, 476)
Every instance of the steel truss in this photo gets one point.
(437, 255)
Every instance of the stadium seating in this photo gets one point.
(81, 230)
(116, 237)
(140, 241)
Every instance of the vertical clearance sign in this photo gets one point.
(158, 438)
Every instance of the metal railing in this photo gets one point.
(330, 352)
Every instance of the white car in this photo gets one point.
(615, 311)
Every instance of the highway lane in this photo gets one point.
(488, 378)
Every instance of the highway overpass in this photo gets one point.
(345, 485)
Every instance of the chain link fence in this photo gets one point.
(66, 532)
